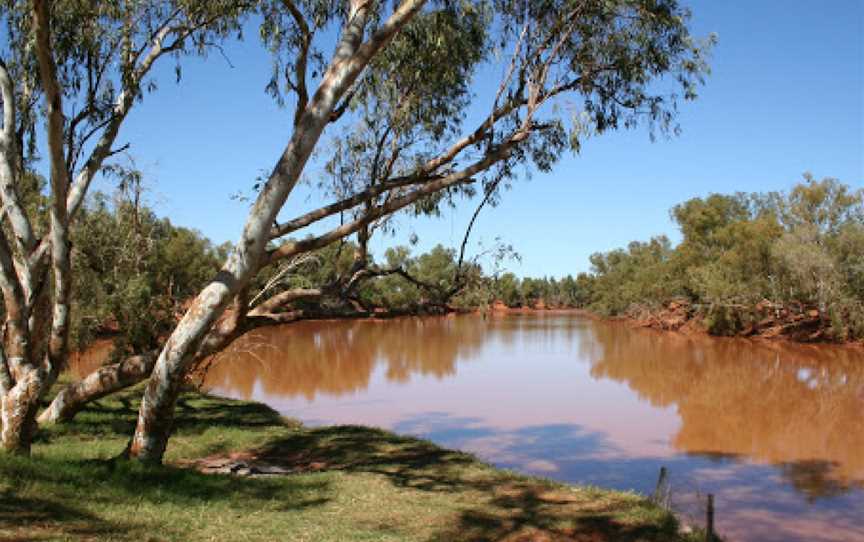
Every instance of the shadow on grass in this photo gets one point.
(120, 480)
(116, 415)
(407, 462)
(481, 503)
(532, 516)
(35, 519)
(495, 505)
(62, 492)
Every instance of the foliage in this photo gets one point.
(403, 70)
(803, 247)
(133, 271)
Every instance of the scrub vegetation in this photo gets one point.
(787, 264)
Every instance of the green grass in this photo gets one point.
(347, 483)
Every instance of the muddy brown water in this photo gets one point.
(775, 431)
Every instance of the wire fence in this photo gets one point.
(689, 501)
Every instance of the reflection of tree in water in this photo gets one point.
(814, 478)
(338, 357)
(798, 406)
(538, 330)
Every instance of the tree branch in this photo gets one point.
(311, 217)
(123, 104)
(292, 248)
(60, 247)
(9, 173)
(299, 84)
(7, 135)
(269, 305)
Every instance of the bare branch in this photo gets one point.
(124, 102)
(365, 273)
(7, 135)
(345, 204)
(269, 305)
(490, 190)
(464, 176)
(9, 173)
(293, 264)
(299, 83)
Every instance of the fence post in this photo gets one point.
(659, 491)
(709, 524)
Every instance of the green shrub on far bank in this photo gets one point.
(803, 249)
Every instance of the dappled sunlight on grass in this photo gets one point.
(330, 483)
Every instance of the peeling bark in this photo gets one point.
(102, 382)
(155, 417)
(18, 412)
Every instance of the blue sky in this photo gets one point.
(786, 95)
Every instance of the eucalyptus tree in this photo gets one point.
(402, 73)
(402, 113)
(87, 63)
(607, 56)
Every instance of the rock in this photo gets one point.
(766, 322)
(674, 323)
(270, 469)
(238, 468)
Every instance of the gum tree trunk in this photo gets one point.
(35, 272)
(104, 381)
(155, 418)
(18, 413)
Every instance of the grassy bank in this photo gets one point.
(334, 483)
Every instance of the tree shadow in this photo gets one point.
(27, 518)
(406, 461)
(115, 417)
(493, 504)
(533, 517)
(40, 495)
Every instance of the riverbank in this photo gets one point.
(290, 482)
(764, 321)
(796, 324)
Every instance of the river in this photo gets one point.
(774, 430)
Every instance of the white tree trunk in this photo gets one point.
(98, 384)
(155, 418)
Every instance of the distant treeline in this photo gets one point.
(802, 249)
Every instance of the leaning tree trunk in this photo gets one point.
(104, 381)
(112, 378)
(155, 418)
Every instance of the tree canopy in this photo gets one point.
(393, 78)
